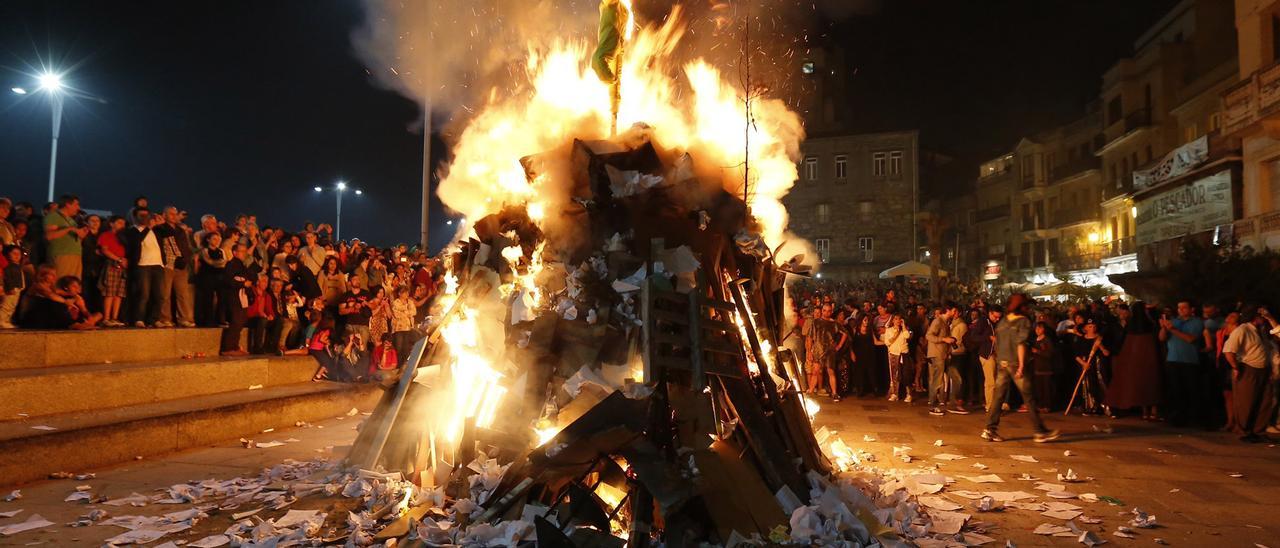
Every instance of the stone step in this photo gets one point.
(83, 441)
(22, 349)
(41, 391)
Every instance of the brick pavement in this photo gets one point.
(1182, 476)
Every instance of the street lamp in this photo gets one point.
(339, 189)
(51, 84)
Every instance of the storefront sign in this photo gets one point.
(991, 271)
(1189, 209)
(1181, 160)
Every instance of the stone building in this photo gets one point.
(1251, 112)
(856, 199)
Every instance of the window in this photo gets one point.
(824, 249)
(1049, 160)
(1039, 214)
(1037, 253)
(1190, 133)
(1024, 258)
(879, 164)
(895, 162)
(1114, 112)
(807, 67)
(811, 168)
(1028, 169)
(1052, 248)
(1215, 122)
(866, 245)
(842, 167)
(823, 213)
(865, 210)
(1027, 221)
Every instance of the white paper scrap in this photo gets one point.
(1023, 458)
(1050, 529)
(986, 478)
(36, 521)
(1062, 514)
(947, 523)
(10, 513)
(939, 503)
(949, 456)
(270, 444)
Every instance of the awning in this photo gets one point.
(910, 269)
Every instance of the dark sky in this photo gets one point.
(243, 106)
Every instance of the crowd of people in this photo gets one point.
(1191, 364)
(356, 308)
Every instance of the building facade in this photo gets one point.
(1251, 113)
(1082, 203)
(855, 201)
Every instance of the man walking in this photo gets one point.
(1187, 394)
(940, 340)
(63, 236)
(175, 286)
(1011, 355)
(957, 362)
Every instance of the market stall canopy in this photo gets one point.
(910, 269)
(1058, 288)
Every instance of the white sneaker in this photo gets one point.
(7, 326)
(893, 397)
(907, 399)
(164, 324)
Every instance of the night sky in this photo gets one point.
(244, 106)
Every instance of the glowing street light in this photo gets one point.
(51, 83)
(339, 188)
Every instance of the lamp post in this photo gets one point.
(339, 189)
(51, 84)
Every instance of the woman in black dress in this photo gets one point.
(1091, 353)
(863, 352)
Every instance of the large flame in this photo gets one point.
(691, 108)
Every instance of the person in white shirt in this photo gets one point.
(147, 272)
(1250, 354)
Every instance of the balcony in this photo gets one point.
(1252, 99)
(1074, 167)
(1116, 248)
(992, 213)
(1131, 122)
(1070, 216)
(1078, 261)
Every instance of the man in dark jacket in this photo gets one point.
(175, 287)
(146, 268)
(301, 278)
(982, 337)
(236, 279)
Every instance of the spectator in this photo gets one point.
(1090, 353)
(385, 358)
(91, 261)
(301, 278)
(289, 312)
(175, 286)
(896, 335)
(236, 282)
(64, 236)
(210, 265)
(208, 225)
(261, 315)
(111, 282)
(333, 283)
(1135, 369)
(147, 274)
(1044, 353)
(8, 235)
(403, 311)
(14, 284)
(355, 308)
(1187, 395)
(312, 255)
(1252, 358)
(942, 394)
